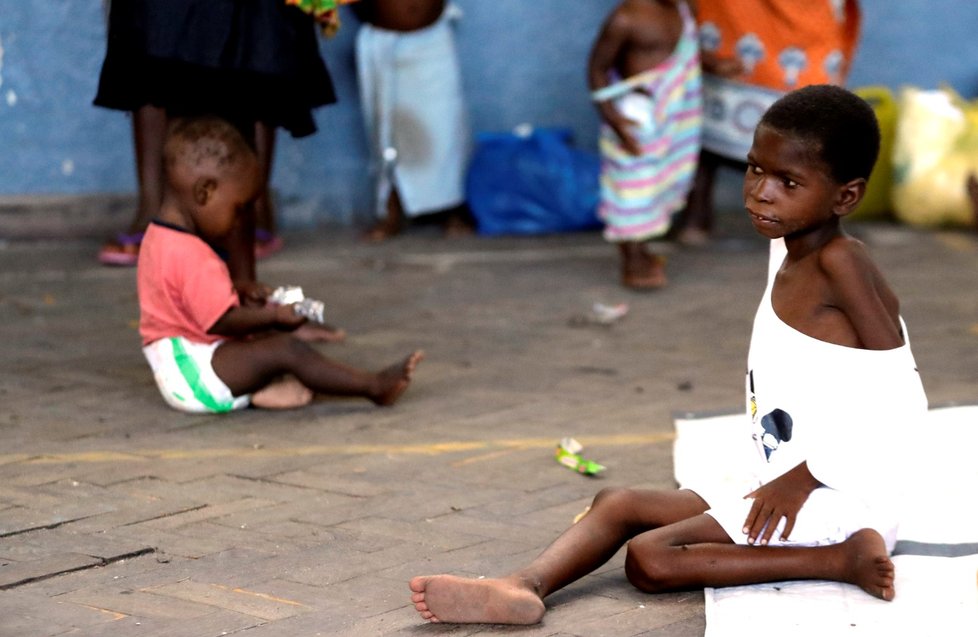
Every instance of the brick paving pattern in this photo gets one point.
(119, 516)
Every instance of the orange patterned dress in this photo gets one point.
(781, 45)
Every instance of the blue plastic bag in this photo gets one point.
(533, 183)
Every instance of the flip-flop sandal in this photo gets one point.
(266, 243)
(123, 250)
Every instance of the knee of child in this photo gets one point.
(612, 497)
(646, 567)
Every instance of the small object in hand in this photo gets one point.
(310, 309)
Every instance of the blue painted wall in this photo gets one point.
(523, 62)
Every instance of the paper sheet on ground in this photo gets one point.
(936, 555)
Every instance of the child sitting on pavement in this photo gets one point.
(209, 353)
(832, 390)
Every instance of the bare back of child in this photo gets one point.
(801, 181)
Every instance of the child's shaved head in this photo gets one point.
(204, 143)
(840, 126)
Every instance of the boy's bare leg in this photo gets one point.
(641, 270)
(696, 552)
(616, 516)
(247, 366)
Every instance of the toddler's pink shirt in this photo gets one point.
(184, 286)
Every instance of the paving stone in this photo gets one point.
(14, 574)
(239, 600)
(335, 506)
(24, 615)
(140, 604)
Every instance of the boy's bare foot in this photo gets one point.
(392, 382)
(285, 393)
(458, 600)
(312, 332)
(868, 565)
(641, 270)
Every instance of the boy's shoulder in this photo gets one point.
(848, 264)
(844, 254)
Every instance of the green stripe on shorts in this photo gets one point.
(191, 373)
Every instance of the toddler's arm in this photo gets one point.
(607, 48)
(243, 321)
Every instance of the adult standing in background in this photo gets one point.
(753, 52)
(414, 110)
(254, 63)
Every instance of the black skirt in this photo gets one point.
(246, 60)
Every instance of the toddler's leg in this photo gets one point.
(247, 366)
(640, 269)
(615, 516)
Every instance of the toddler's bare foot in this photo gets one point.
(392, 382)
(285, 393)
(641, 270)
(458, 600)
(868, 565)
(312, 332)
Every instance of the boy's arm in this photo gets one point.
(861, 294)
(607, 47)
(782, 497)
(242, 321)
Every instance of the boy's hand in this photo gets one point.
(782, 497)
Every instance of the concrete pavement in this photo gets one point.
(119, 516)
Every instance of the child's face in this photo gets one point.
(237, 188)
(786, 189)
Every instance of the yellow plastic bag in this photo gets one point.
(936, 149)
(878, 203)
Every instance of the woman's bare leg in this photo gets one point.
(247, 366)
(616, 516)
(149, 132)
(265, 151)
(696, 552)
(392, 224)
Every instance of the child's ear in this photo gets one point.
(849, 196)
(203, 189)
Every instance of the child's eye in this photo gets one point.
(789, 183)
(756, 170)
